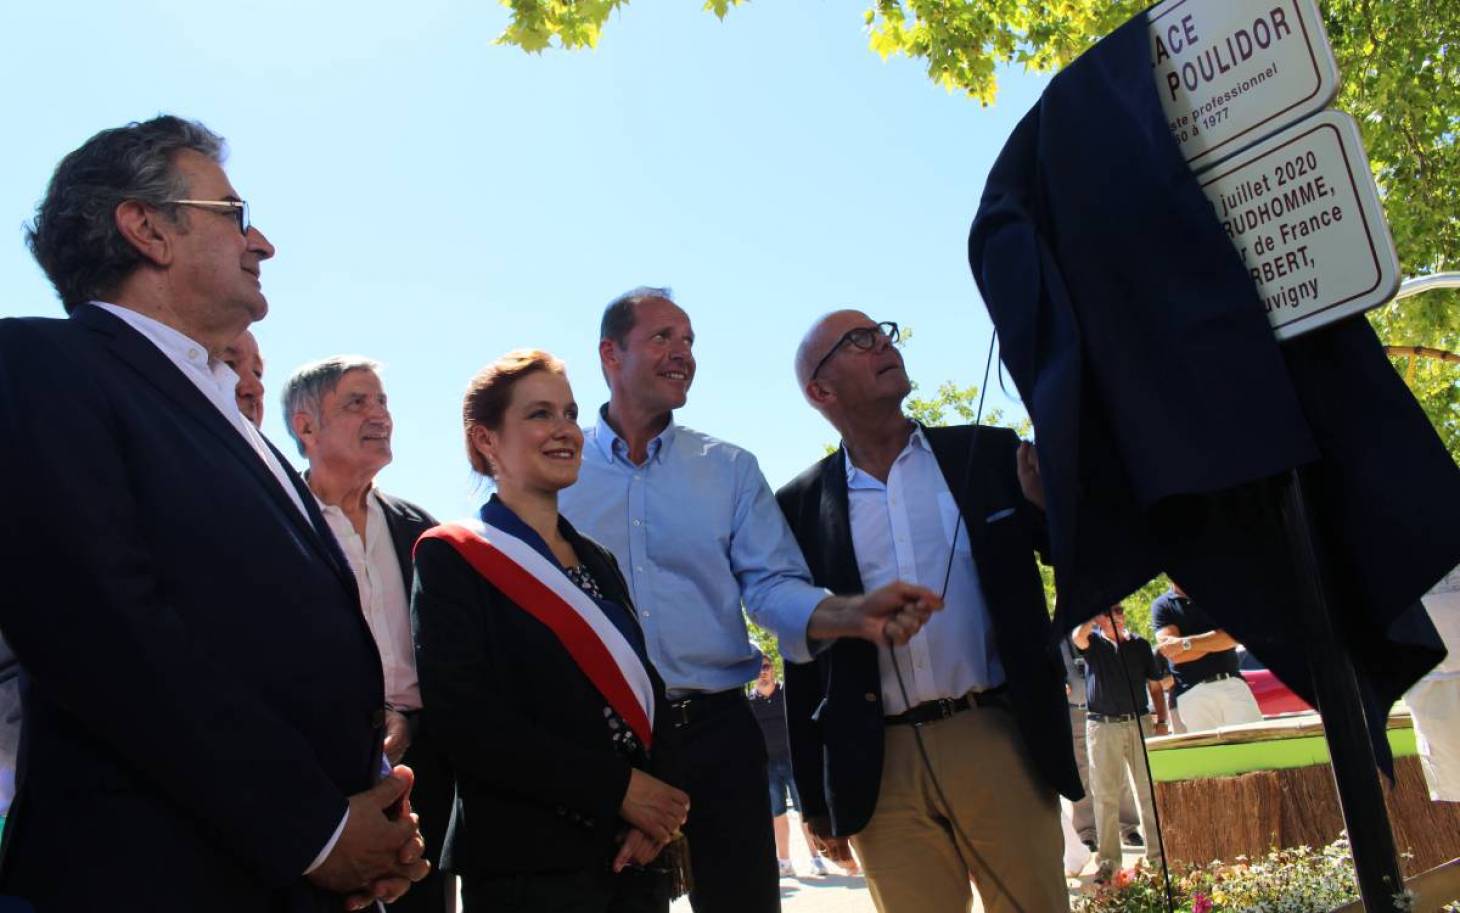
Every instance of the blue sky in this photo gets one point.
(436, 200)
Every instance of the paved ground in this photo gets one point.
(840, 893)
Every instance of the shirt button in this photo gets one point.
(637, 523)
(645, 613)
(638, 567)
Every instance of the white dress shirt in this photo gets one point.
(903, 530)
(217, 381)
(382, 598)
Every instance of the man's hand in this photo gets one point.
(1171, 648)
(1027, 463)
(837, 849)
(379, 852)
(889, 614)
(637, 849)
(654, 807)
(1161, 728)
(397, 735)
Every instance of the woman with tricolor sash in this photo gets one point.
(534, 674)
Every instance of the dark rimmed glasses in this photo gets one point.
(862, 338)
(236, 208)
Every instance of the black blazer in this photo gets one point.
(435, 788)
(201, 691)
(834, 704)
(538, 784)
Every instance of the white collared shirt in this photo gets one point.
(382, 598)
(903, 530)
(214, 380)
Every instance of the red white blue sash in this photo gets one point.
(542, 590)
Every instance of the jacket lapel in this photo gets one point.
(956, 450)
(837, 554)
(155, 368)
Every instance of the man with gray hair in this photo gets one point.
(196, 738)
(338, 414)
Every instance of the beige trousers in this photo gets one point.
(1117, 756)
(1008, 836)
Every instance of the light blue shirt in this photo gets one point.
(903, 530)
(696, 531)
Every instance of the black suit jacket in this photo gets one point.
(538, 784)
(201, 691)
(834, 704)
(434, 789)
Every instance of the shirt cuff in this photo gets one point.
(329, 846)
(792, 625)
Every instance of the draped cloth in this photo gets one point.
(1167, 413)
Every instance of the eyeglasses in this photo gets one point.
(863, 338)
(237, 208)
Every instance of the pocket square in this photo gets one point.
(999, 515)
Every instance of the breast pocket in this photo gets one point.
(953, 527)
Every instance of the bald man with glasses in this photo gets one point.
(957, 510)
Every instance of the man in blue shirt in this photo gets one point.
(697, 533)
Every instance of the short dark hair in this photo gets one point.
(618, 317)
(490, 392)
(74, 234)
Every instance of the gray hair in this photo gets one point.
(618, 317)
(311, 383)
(74, 234)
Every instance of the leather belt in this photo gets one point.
(1220, 676)
(694, 707)
(943, 708)
(1114, 717)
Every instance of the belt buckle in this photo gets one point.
(679, 712)
(946, 707)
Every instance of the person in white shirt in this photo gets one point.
(195, 737)
(1434, 701)
(339, 416)
(958, 510)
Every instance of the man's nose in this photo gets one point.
(259, 243)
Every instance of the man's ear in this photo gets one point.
(817, 393)
(607, 353)
(303, 425)
(141, 226)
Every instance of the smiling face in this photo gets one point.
(656, 365)
(352, 434)
(537, 446)
(214, 273)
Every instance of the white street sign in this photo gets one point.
(1303, 211)
(1230, 72)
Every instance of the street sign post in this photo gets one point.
(1231, 72)
(1303, 212)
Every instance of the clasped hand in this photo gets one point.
(380, 851)
(655, 812)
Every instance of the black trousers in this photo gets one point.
(731, 844)
(432, 798)
(583, 891)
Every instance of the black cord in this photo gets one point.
(902, 687)
(917, 728)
